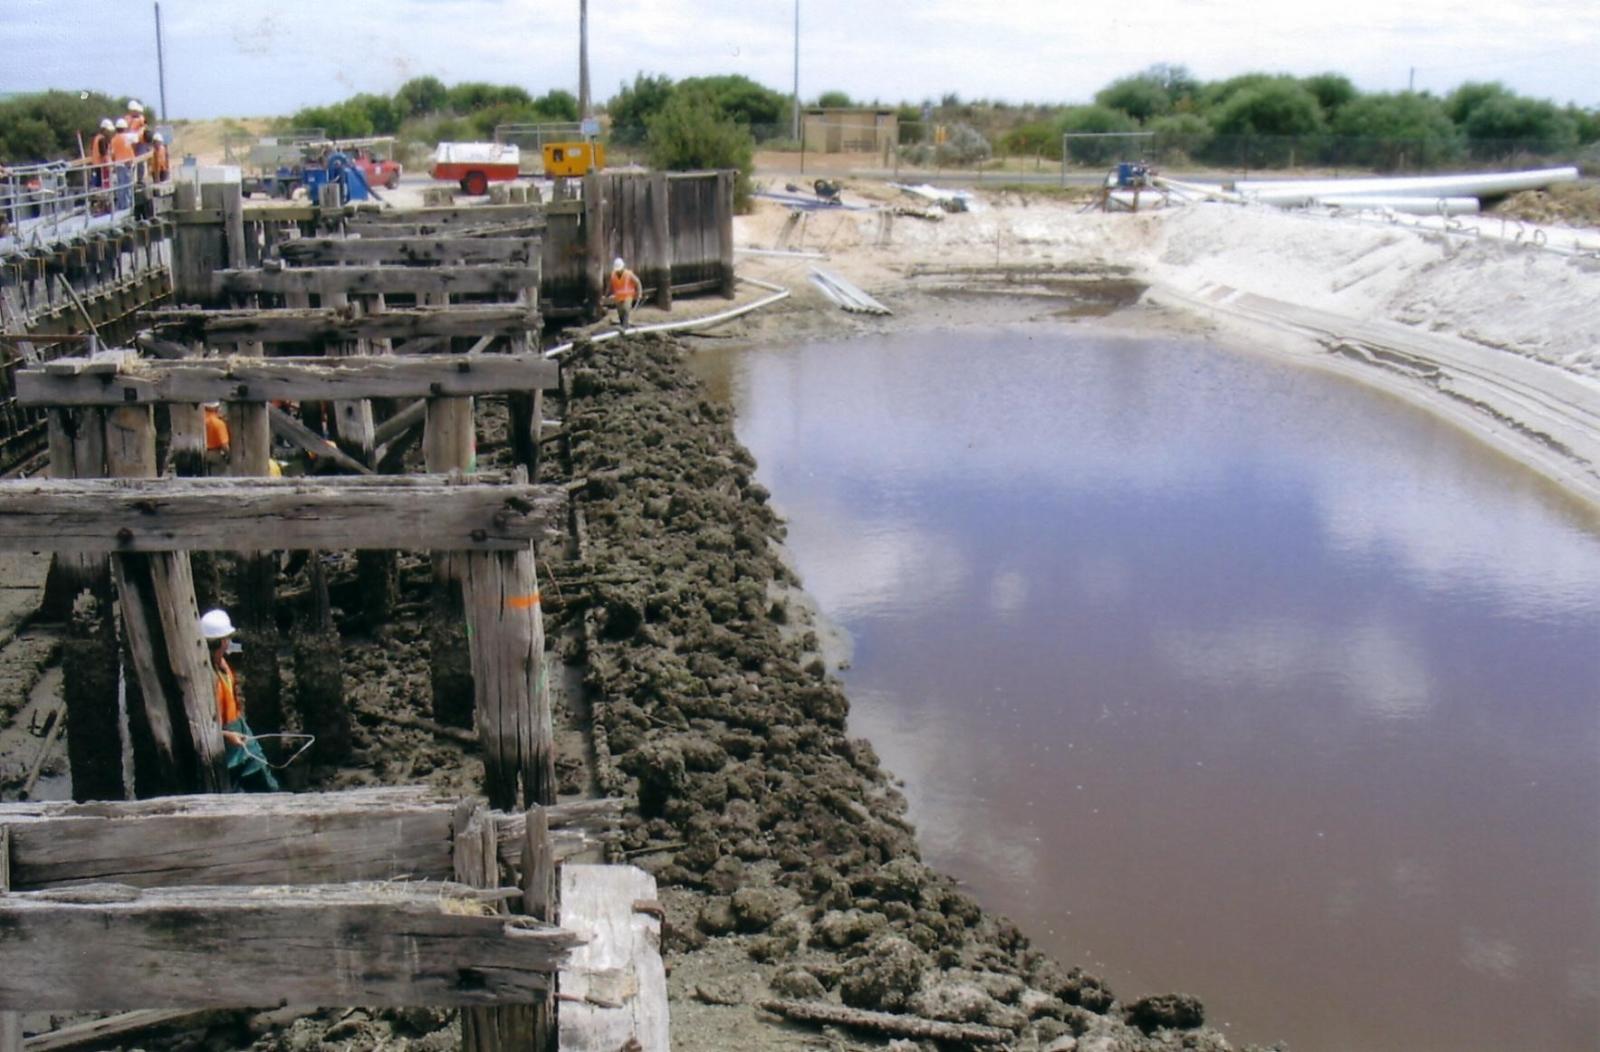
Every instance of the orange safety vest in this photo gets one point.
(136, 122)
(228, 708)
(624, 286)
(216, 431)
(122, 147)
(97, 148)
(158, 162)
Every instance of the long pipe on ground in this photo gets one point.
(778, 293)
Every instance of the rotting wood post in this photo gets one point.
(539, 893)
(511, 686)
(10, 1022)
(661, 223)
(724, 211)
(594, 244)
(475, 860)
(449, 445)
(319, 672)
(177, 739)
(76, 440)
(256, 576)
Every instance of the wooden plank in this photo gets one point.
(886, 1024)
(312, 325)
(110, 1031)
(155, 591)
(388, 833)
(250, 379)
(411, 512)
(370, 280)
(292, 430)
(325, 945)
(614, 988)
(449, 444)
(410, 250)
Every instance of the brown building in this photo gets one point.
(848, 130)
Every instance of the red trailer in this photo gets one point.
(474, 165)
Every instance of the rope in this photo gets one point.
(309, 739)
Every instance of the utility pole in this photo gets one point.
(795, 103)
(1411, 81)
(161, 66)
(583, 59)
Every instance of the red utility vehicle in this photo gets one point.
(379, 171)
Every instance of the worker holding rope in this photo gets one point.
(248, 770)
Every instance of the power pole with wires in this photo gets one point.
(795, 103)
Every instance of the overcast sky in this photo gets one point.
(269, 57)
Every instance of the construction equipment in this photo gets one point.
(288, 163)
(474, 165)
(571, 159)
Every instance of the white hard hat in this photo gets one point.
(105, 123)
(617, 264)
(134, 106)
(157, 138)
(215, 624)
(122, 123)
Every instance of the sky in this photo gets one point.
(267, 59)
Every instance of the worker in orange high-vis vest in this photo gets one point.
(625, 290)
(122, 157)
(135, 116)
(99, 155)
(217, 439)
(248, 770)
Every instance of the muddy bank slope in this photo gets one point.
(787, 864)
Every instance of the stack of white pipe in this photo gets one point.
(1420, 195)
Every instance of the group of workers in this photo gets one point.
(121, 148)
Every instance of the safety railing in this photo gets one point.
(45, 202)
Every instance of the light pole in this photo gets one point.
(795, 104)
(583, 59)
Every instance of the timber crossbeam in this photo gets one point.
(127, 379)
(371, 280)
(410, 250)
(389, 833)
(484, 514)
(306, 325)
(111, 946)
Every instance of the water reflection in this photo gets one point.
(1216, 674)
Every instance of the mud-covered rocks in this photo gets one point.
(716, 916)
(755, 909)
(841, 928)
(662, 775)
(885, 977)
(1173, 1011)
(1086, 991)
(799, 984)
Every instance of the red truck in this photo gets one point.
(379, 171)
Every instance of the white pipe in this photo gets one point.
(707, 322)
(782, 253)
(1475, 184)
(1419, 206)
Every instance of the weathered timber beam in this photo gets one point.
(408, 512)
(444, 215)
(311, 838)
(250, 379)
(431, 250)
(112, 947)
(364, 280)
(111, 1031)
(306, 325)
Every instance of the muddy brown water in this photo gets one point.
(1215, 674)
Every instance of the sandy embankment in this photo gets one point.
(1493, 332)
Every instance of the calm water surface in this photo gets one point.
(1215, 674)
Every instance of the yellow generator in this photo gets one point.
(573, 158)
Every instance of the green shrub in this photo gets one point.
(1096, 119)
(45, 126)
(1393, 131)
(689, 133)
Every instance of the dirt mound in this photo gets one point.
(1568, 204)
